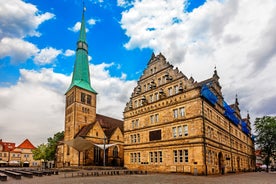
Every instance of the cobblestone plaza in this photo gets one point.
(243, 178)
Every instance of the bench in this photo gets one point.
(13, 174)
(37, 173)
(3, 177)
(24, 173)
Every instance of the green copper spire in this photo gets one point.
(81, 75)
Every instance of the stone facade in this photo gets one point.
(175, 124)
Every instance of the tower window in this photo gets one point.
(88, 100)
(83, 97)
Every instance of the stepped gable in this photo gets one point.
(213, 84)
(26, 144)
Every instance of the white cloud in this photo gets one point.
(92, 21)
(18, 50)
(38, 101)
(124, 3)
(236, 36)
(69, 52)
(46, 56)
(34, 107)
(19, 20)
(76, 27)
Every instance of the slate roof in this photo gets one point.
(108, 124)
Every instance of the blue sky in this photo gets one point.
(106, 38)
(38, 40)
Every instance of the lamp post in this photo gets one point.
(104, 150)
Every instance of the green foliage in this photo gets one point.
(40, 152)
(266, 137)
(48, 151)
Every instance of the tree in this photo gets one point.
(266, 137)
(52, 145)
(47, 151)
(40, 152)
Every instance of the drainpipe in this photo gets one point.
(204, 138)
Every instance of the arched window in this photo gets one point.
(115, 152)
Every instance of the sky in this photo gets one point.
(38, 43)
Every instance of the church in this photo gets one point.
(90, 139)
(175, 124)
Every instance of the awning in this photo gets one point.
(3, 162)
(102, 146)
(14, 162)
(80, 144)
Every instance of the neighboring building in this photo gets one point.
(17, 156)
(175, 124)
(86, 133)
(260, 159)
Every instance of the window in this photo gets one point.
(181, 156)
(185, 127)
(115, 152)
(175, 89)
(170, 91)
(156, 157)
(148, 86)
(182, 112)
(175, 156)
(186, 155)
(179, 131)
(135, 123)
(131, 158)
(151, 157)
(151, 98)
(82, 97)
(152, 119)
(159, 81)
(135, 157)
(131, 138)
(175, 113)
(180, 153)
(156, 96)
(160, 156)
(88, 100)
(156, 118)
(138, 138)
(135, 138)
(174, 132)
(68, 150)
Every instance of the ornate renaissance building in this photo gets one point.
(175, 124)
(89, 138)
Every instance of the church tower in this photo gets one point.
(80, 107)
